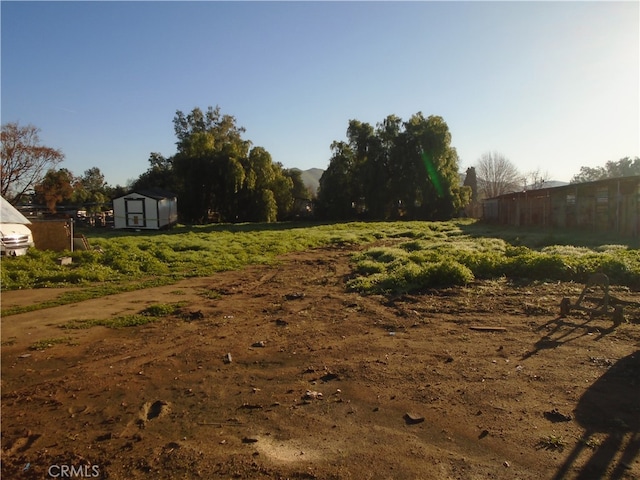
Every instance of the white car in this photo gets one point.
(15, 236)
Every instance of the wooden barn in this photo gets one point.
(611, 205)
(151, 209)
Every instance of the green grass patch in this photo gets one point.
(88, 293)
(406, 255)
(163, 309)
(462, 256)
(48, 343)
(150, 314)
(552, 442)
(123, 321)
(210, 294)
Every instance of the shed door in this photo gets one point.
(135, 212)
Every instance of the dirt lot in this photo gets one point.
(322, 383)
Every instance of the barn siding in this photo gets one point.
(51, 234)
(607, 205)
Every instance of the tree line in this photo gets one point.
(394, 170)
(216, 173)
(397, 169)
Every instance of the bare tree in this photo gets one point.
(496, 175)
(24, 161)
(535, 179)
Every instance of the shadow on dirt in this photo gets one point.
(610, 406)
(562, 330)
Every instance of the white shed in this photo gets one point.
(150, 209)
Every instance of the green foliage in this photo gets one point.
(124, 321)
(625, 167)
(407, 256)
(151, 314)
(456, 259)
(552, 442)
(591, 442)
(394, 270)
(397, 170)
(522, 262)
(99, 290)
(336, 195)
(91, 189)
(217, 174)
(162, 309)
(48, 343)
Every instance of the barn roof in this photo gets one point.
(567, 187)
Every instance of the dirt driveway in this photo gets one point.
(278, 372)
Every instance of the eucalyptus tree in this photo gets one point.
(337, 196)
(429, 175)
(400, 169)
(209, 163)
(160, 174)
(218, 171)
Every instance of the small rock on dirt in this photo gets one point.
(260, 344)
(413, 418)
(312, 395)
(556, 416)
(227, 358)
(294, 296)
(198, 315)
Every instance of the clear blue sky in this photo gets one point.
(551, 85)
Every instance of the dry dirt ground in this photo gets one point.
(322, 383)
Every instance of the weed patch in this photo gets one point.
(162, 309)
(151, 314)
(552, 442)
(417, 255)
(48, 343)
(135, 320)
(459, 259)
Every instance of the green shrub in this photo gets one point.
(458, 259)
(446, 273)
(162, 309)
(385, 254)
(413, 246)
(411, 277)
(368, 267)
(538, 266)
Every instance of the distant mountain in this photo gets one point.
(311, 178)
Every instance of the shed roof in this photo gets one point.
(155, 193)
